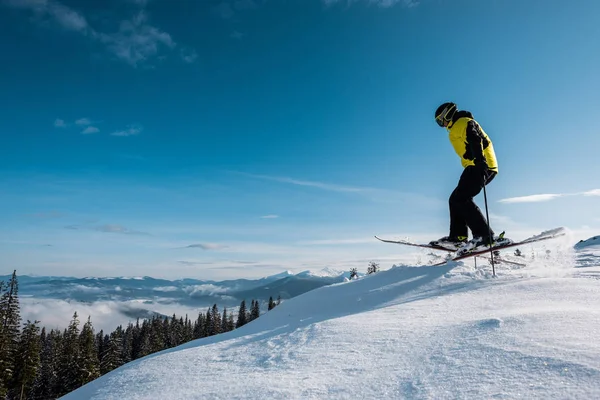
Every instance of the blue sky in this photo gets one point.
(219, 139)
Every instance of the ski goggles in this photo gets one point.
(443, 117)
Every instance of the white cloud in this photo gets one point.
(135, 42)
(206, 246)
(83, 122)
(380, 3)
(59, 123)
(270, 216)
(330, 242)
(536, 198)
(108, 228)
(373, 194)
(319, 185)
(244, 4)
(106, 315)
(189, 56)
(595, 192)
(224, 10)
(207, 289)
(227, 9)
(131, 130)
(66, 17)
(89, 130)
(166, 289)
(236, 35)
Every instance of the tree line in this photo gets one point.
(39, 364)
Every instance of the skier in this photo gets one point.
(478, 159)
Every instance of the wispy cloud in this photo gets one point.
(131, 130)
(595, 192)
(194, 263)
(270, 216)
(59, 123)
(373, 194)
(107, 228)
(536, 198)
(224, 10)
(320, 185)
(45, 9)
(83, 122)
(228, 9)
(189, 56)
(380, 3)
(330, 242)
(236, 35)
(206, 246)
(244, 4)
(46, 215)
(136, 41)
(90, 130)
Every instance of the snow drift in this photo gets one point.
(406, 333)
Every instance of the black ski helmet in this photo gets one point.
(444, 113)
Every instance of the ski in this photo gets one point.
(424, 246)
(551, 234)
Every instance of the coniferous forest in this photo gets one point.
(39, 364)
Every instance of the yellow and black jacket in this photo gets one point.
(470, 142)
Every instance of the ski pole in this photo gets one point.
(487, 216)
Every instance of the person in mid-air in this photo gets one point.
(478, 159)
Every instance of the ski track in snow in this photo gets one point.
(448, 332)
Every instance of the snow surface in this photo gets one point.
(594, 241)
(411, 332)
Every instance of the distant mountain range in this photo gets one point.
(191, 292)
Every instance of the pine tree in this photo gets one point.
(278, 300)
(69, 372)
(113, 345)
(167, 333)
(353, 273)
(271, 303)
(100, 346)
(230, 323)
(241, 319)
(28, 361)
(180, 331)
(224, 327)
(145, 345)
(216, 320)
(136, 341)
(188, 330)
(10, 321)
(255, 312)
(373, 268)
(90, 364)
(127, 347)
(46, 381)
(47, 385)
(208, 324)
(157, 337)
(199, 326)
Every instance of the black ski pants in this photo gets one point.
(464, 213)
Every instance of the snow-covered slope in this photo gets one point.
(448, 332)
(587, 254)
(592, 243)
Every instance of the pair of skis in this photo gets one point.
(546, 235)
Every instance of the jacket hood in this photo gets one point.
(461, 114)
